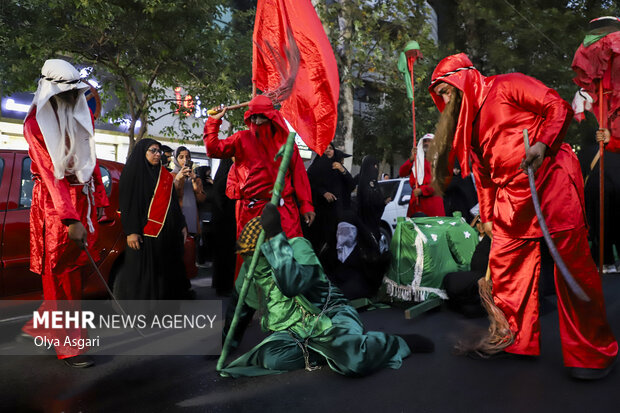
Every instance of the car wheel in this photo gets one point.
(386, 238)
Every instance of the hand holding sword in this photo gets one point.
(531, 162)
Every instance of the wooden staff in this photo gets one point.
(411, 58)
(601, 213)
(286, 152)
(221, 108)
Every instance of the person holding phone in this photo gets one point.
(188, 187)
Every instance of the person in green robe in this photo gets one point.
(312, 323)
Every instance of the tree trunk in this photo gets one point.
(346, 121)
(132, 138)
(345, 105)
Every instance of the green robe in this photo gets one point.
(312, 322)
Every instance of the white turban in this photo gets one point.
(419, 172)
(59, 76)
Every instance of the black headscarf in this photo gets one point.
(323, 178)
(136, 187)
(370, 200)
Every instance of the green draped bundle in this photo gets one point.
(424, 250)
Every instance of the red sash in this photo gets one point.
(159, 204)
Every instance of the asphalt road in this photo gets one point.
(437, 382)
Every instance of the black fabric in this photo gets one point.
(370, 198)
(460, 195)
(224, 230)
(205, 211)
(136, 187)
(156, 270)
(612, 206)
(418, 343)
(245, 317)
(271, 221)
(462, 286)
(360, 275)
(323, 178)
(480, 258)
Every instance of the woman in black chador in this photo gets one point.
(223, 231)
(331, 187)
(153, 266)
(358, 263)
(370, 199)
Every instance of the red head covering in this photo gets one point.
(458, 71)
(263, 105)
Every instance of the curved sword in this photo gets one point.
(568, 277)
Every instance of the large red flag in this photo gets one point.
(312, 106)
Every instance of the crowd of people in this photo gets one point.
(324, 246)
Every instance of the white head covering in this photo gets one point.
(346, 240)
(419, 172)
(59, 76)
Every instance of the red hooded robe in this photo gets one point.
(53, 255)
(428, 203)
(255, 168)
(601, 60)
(493, 114)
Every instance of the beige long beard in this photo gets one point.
(441, 145)
(67, 127)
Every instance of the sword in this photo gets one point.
(568, 277)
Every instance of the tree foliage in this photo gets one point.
(535, 37)
(138, 49)
(367, 37)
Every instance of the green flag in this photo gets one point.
(414, 52)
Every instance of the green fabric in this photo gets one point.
(424, 250)
(299, 304)
(597, 34)
(404, 69)
(590, 39)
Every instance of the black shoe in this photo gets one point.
(418, 343)
(79, 362)
(583, 373)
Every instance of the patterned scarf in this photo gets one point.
(249, 236)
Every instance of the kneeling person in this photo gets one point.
(312, 322)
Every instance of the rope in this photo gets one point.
(304, 345)
(66, 81)
(451, 73)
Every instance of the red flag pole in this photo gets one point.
(601, 233)
(410, 63)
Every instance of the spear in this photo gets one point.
(406, 61)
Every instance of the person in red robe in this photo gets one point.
(423, 197)
(598, 60)
(68, 194)
(255, 169)
(482, 120)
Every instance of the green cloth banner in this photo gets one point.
(424, 250)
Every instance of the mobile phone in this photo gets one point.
(189, 164)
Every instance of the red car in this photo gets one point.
(16, 280)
